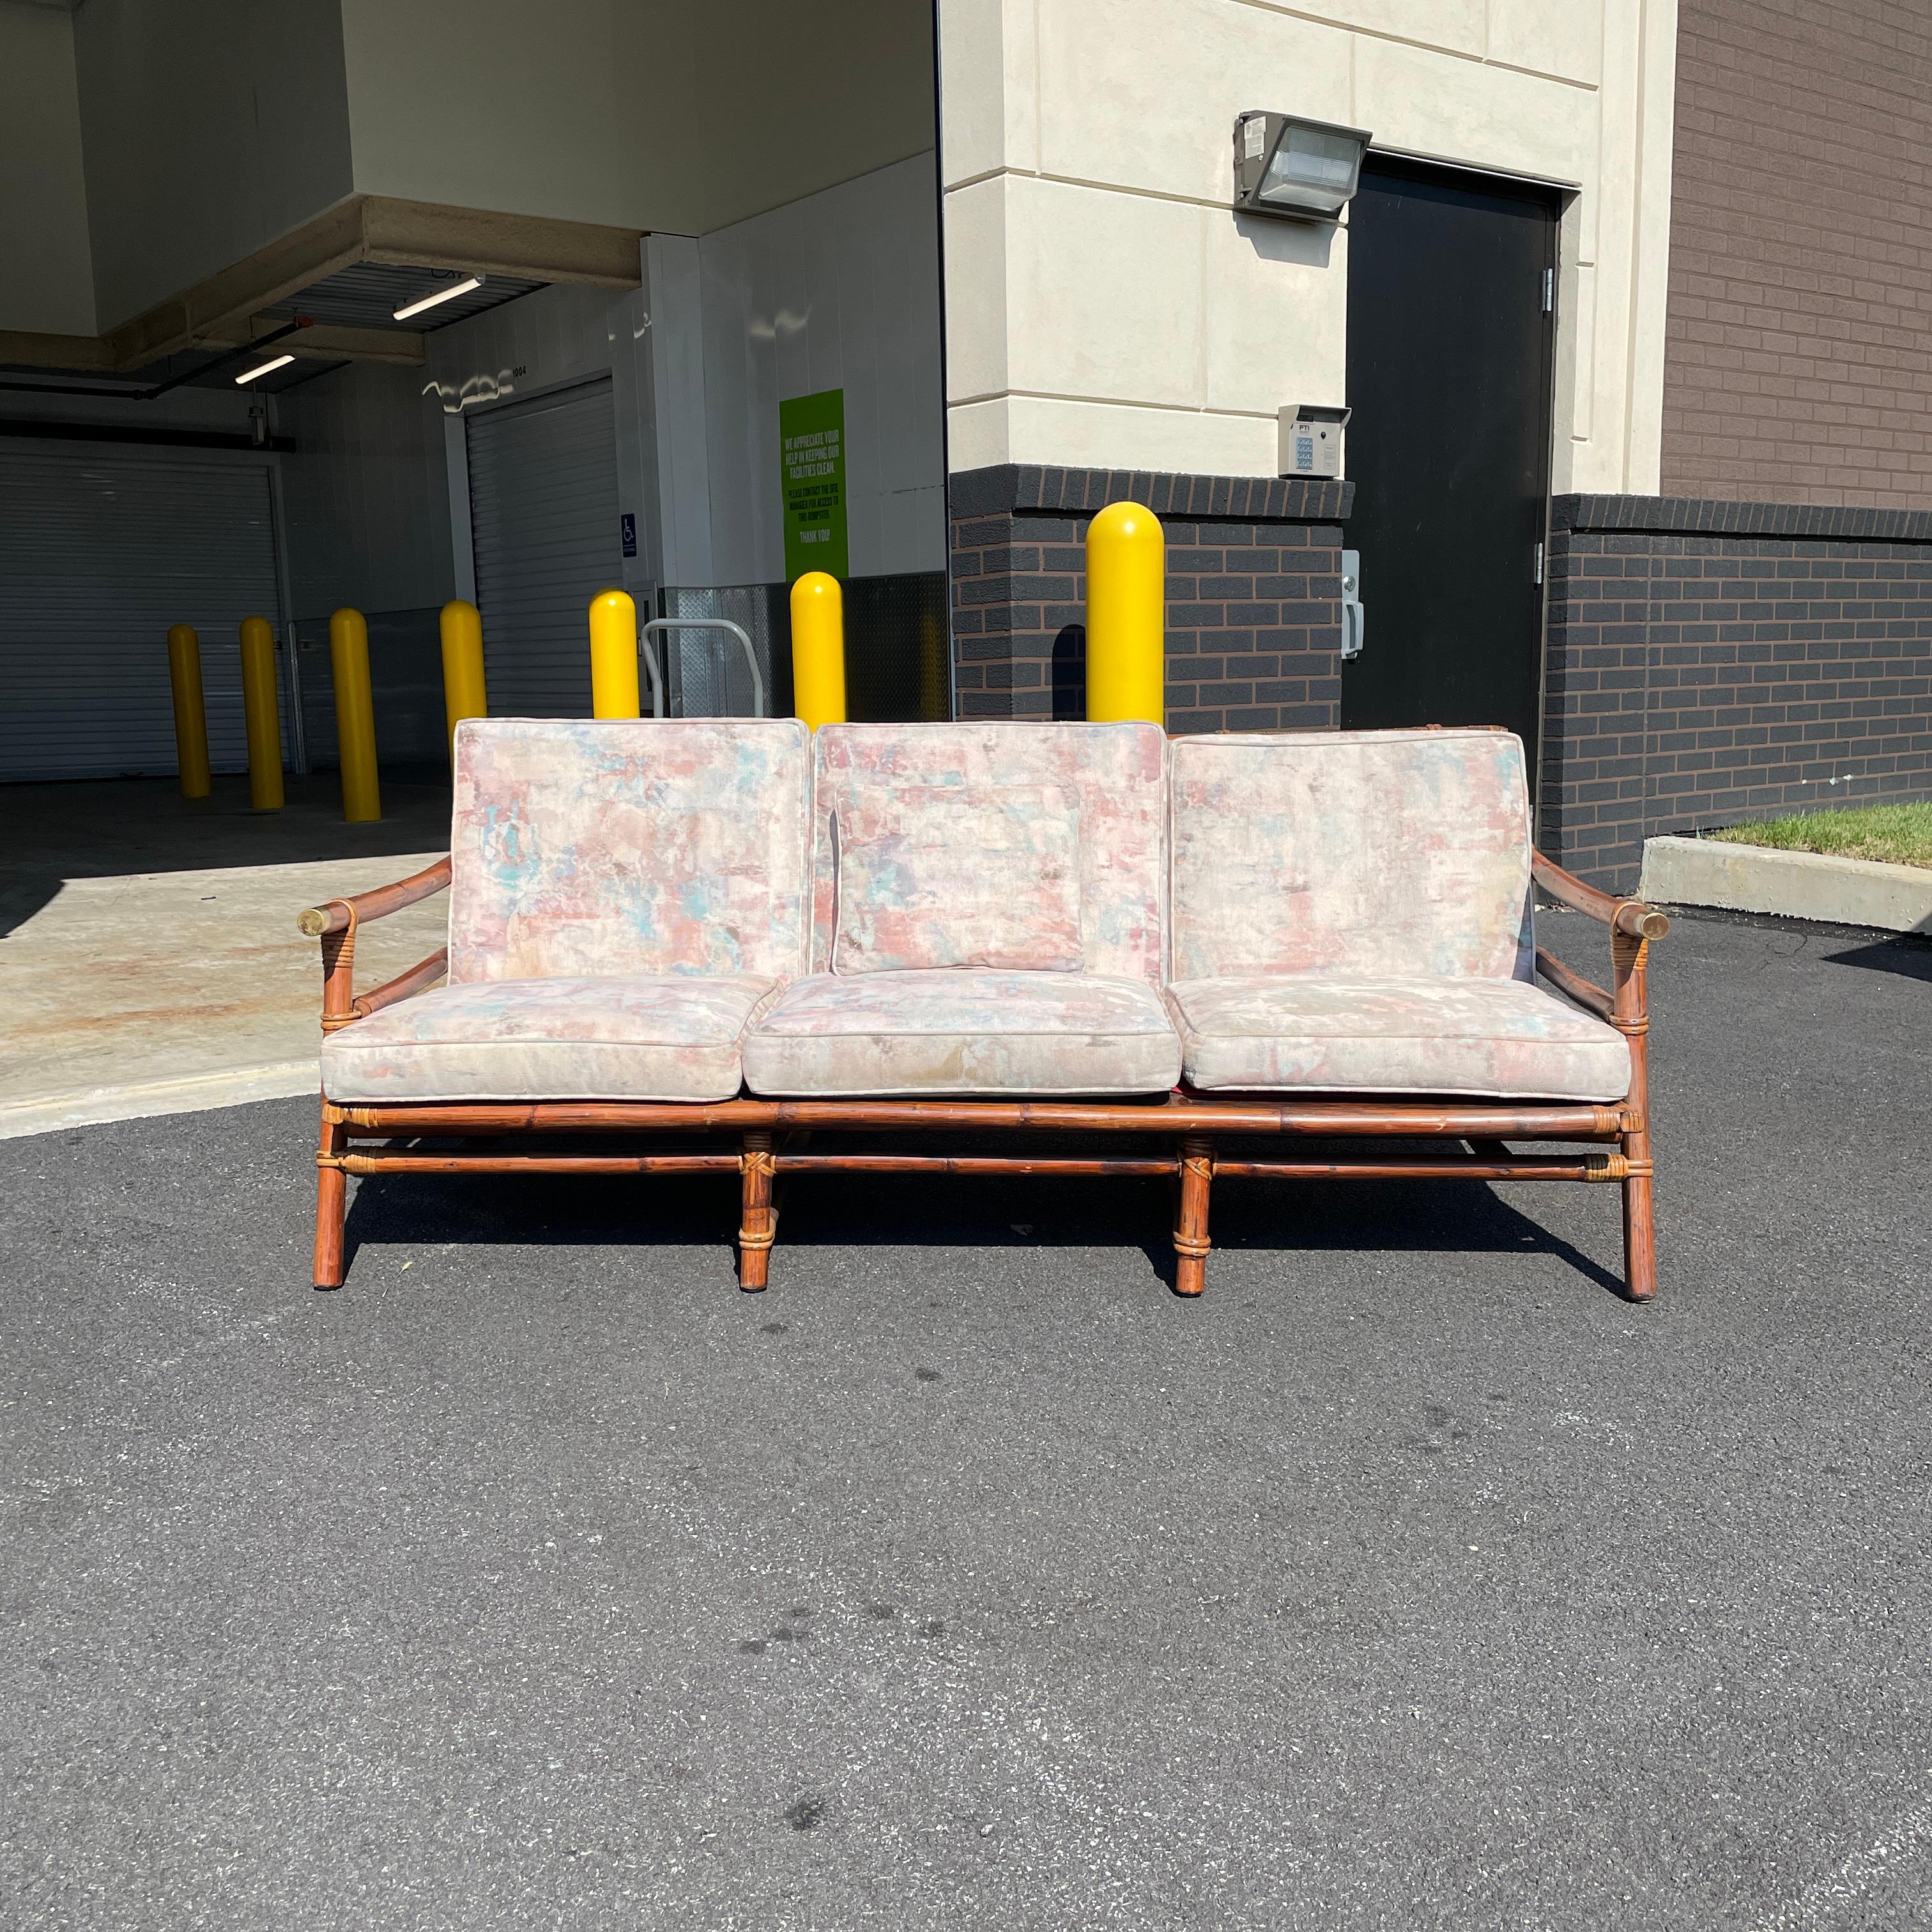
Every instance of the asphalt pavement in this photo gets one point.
(1412, 1578)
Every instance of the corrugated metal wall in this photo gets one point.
(543, 512)
(101, 551)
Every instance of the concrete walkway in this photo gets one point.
(149, 962)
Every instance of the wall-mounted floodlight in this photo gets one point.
(263, 368)
(1303, 170)
(449, 294)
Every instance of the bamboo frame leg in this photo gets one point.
(331, 1205)
(1640, 1237)
(1631, 1017)
(758, 1226)
(1190, 1220)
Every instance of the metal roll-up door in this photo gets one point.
(543, 519)
(100, 553)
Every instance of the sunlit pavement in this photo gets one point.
(149, 961)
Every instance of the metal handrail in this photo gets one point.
(738, 631)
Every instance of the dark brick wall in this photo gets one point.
(1713, 662)
(1253, 594)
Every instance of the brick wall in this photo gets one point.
(1253, 594)
(1713, 662)
(1798, 366)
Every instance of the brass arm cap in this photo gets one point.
(314, 922)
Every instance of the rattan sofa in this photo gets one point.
(708, 944)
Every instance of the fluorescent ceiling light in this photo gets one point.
(449, 294)
(262, 368)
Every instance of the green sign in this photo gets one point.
(811, 439)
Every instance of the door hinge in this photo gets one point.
(1549, 290)
(1536, 565)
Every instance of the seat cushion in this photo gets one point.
(1501, 1038)
(962, 1031)
(665, 1039)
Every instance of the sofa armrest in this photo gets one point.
(345, 915)
(1632, 926)
(425, 972)
(335, 923)
(1630, 917)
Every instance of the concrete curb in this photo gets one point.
(1792, 885)
(194, 1094)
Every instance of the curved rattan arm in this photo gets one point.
(334, 924)
(1630, 917)
(340, 915)
(423, 973)
(1567, 980)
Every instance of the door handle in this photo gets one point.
(1354, 617)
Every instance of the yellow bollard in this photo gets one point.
(1127, 615)
(463, 695)
(613, 655)
(355, 717)
(818, 649)
(261, 715)
(191, 712)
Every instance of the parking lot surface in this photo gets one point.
(538, 1578)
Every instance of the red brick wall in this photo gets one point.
(1798, 365)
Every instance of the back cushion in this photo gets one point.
(956, 790)
(933, 875)
(1397, 854)
(629, 846)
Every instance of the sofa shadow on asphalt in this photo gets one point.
(1910, 956)
(820, 1211)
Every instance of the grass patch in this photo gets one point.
(1898, 835)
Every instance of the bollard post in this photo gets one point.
(613, 655)
(463, 693)
(1127, 615)
(190, 710)
(355, 717)
(818, 649)
(261, 715)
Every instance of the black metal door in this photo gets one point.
(1449, 380)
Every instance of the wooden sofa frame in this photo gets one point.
(762, 1140)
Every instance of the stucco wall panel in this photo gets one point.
(1107, 114)
(1077, 291)
(1104, 296)
(1559, 38)
(1427, 103)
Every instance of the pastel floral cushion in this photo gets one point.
(968, 1032)
(629, 846)
(932, 876)
(1113, 775)
(1374, 854)
(1498, 1038)
(668, 1038)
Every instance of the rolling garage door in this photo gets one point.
(100, 553)
(543, 520)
